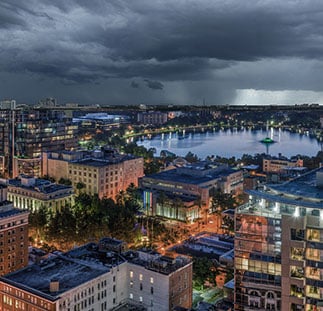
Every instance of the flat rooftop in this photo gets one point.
(154, 262)
(302, 191)
(70, 270)
(6, 210)
(175, 176)
(100, 162)
(40, 185)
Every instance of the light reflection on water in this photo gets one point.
(234, 143)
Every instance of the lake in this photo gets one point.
(228, 143)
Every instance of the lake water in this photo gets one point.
(233, 143)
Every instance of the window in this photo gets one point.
(151, 290)
(151, 280)
(140, 299)
(131, 295)
(140, 277)
(131, 274)
(140, 286)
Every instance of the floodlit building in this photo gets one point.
(13, 237)
(32, 193)
(278, 246)
(95, 278)
(185, 192)
(104, 172)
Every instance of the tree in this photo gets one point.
(38, 219)
(204, 270)
(65, 181)
(80, 186)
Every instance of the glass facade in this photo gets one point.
(26, 133)
(279, 253)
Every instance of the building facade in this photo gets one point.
(278, 247)
(152, 117)
(13, 238)
(184, 193)
(279, 164)
(104, 172)
(26, 133)
(29, 193)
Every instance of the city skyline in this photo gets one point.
(155, 52)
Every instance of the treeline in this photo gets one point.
(90, 218)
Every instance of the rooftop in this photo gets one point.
(154, 262)
(100, 162)
(211, 245)
(183, 175)
(70, 270)
(39, 185)
(7, 210)
(305, 190)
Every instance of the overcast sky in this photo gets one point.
(162, 51)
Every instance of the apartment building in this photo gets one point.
(93, 278)
(279, 247)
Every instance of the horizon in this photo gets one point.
(126, 53)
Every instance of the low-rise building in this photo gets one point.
(92, 278)
(279, 164)
(184, 193)
(31, 193)
(152, 117)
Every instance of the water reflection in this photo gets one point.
(228, 143)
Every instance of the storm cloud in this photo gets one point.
(188, 50)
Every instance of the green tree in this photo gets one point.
(204, 270)
(38, 219)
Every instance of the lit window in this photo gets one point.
(140, 277)
(131, 274)
(152, 280)
(140, 299)
(131, 296)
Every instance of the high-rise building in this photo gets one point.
(26, 133)
(279, 247)
(93, 277)
(13, 236)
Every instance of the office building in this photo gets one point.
(278, 246)
(184, 193)
(32, 193)
(104, 172)
(152, 117)
(26, 133)
(13, 236)
(92, 277)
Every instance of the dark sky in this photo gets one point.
(162, 51)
